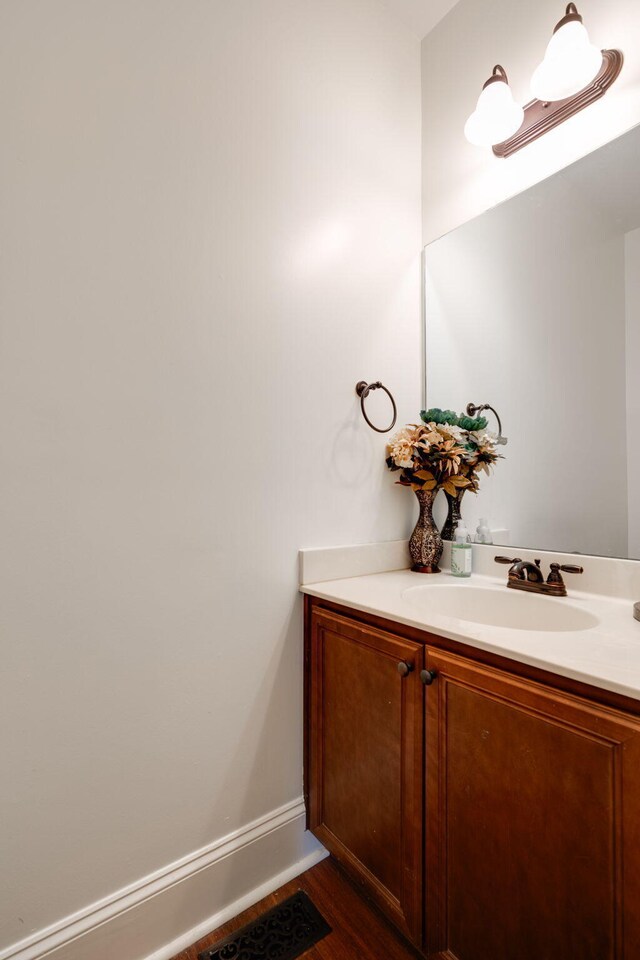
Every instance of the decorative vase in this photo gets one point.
(425, 545)
(454, 505)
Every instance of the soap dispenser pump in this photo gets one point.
(461, 552)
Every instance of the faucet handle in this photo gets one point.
(507, 560)
(571, 568)
(556, 576)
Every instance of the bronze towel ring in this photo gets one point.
(363, 389)
(473, 409)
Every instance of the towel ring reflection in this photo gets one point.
(473, 409)
(363, 389)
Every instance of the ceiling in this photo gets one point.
(420, 15)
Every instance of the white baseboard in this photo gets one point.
(228, 913)
(161, 914)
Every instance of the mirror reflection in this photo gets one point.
(534, 308)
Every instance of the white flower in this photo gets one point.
(450, 430)
(400, 448)
(429, 437)
(484, 438)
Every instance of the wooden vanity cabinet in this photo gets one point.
(533, 820)
(531, 799)
(365, 760)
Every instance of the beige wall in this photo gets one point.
(210, 231)
(460, 180)
(632, 275)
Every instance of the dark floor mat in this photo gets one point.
(282, 933)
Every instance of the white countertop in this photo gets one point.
(605, 656)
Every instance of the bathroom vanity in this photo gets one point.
(480, 784)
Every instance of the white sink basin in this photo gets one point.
(501, 607)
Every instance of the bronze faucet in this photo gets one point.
(525, 575)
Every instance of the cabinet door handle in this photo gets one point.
(427, 677)
(405, 668)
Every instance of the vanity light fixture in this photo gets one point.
(573, 74)
(497, 116)
(571, 62)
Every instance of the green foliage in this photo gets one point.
(472, 423)
(438, 416)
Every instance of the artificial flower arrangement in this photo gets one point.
(444, 452)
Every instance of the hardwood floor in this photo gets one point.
(359, 931)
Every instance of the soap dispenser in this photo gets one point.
(461, 552)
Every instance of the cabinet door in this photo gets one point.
(533, 821)
(365, 760)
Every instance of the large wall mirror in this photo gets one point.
(534, 307)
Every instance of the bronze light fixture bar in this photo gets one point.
(573, 74)
(540, 117)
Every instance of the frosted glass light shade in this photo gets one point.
(496, 117)
(570, 64)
